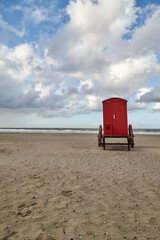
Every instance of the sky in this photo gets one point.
(59, 59)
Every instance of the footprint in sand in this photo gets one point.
(23, 210)
(67, 193)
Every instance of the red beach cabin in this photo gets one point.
(115, 117)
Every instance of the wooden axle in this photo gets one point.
(129, 137)
(128, 142)
(116, 144)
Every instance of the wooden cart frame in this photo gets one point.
(129, 137)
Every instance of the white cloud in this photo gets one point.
(16, 61)
(102, 17)
(21, 52)
(14, 71)
(141, 92)
(93, 102)
(85, 84)
(130, 74)
(44, 91)
(4, 25)
(38, 12)
(39, 15)
(156, 107)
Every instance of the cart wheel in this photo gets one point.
(100, 135)
(131, 135)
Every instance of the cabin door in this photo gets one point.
(119, 118)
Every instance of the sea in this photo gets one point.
(71, 130)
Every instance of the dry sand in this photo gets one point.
(63, 186)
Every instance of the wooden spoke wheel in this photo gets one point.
(131, 136)
(100, 135)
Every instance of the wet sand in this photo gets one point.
(63, 186)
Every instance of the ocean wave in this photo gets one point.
(71, 130)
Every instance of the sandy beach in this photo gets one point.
(63, 186)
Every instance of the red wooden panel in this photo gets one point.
(107, 117)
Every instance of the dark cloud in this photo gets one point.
(12, 95)
(152, 96)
